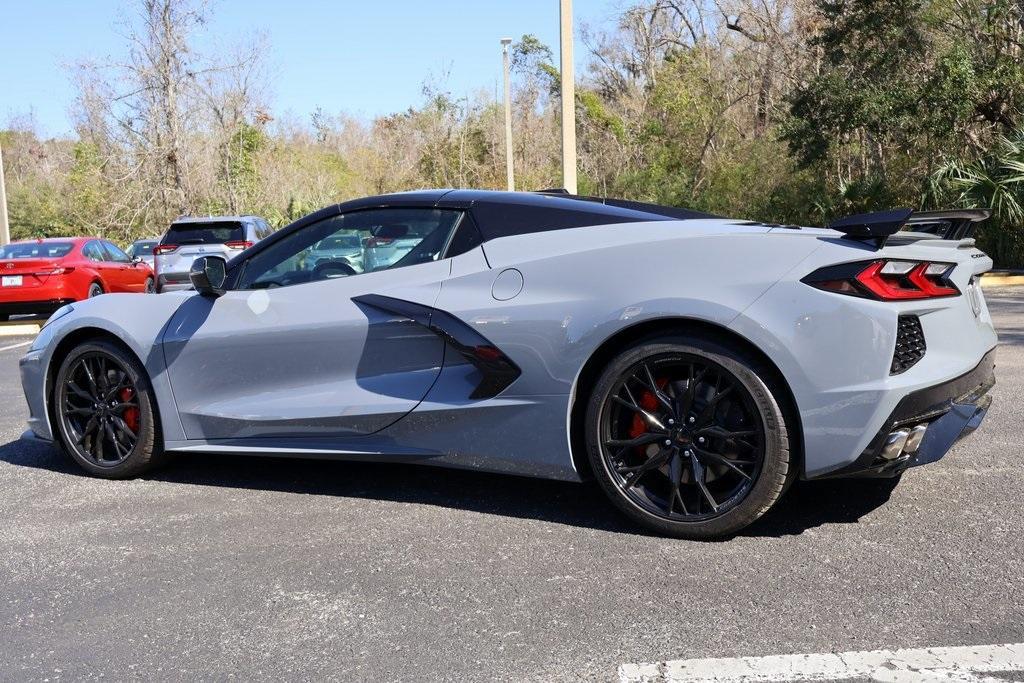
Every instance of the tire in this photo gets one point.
(123, 368)
(755, 439)
(95, 289)
(150, 287)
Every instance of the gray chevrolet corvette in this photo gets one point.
(693, 366)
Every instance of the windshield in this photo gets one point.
(141, 249)
(214, 232)
(36, 250)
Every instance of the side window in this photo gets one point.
(466, 237)
(115, 254)
(94, 252)
(350, 244)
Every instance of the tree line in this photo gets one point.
(787, 111)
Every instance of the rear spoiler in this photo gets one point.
(956, 224)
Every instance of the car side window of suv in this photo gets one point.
(115, 254)
(351, 244)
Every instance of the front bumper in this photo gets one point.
(949, 411)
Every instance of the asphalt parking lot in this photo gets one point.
(221, 567)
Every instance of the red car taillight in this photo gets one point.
(165, 249)
(238, 244)
(887, 279)
(60, 270)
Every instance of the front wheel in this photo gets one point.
(687, 438)
(105, 412)
(150, 288)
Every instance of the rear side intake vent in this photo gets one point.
(910, 346)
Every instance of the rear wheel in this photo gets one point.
(686, 437)
(95, 289)
(105, 413)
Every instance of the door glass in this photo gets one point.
(94, 252)
(114, 253)
(350, 244)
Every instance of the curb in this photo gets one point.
(19, 329)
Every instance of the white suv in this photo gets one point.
(189, 238)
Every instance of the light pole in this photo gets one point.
(5, 232)
(510, 177)
(568, 99)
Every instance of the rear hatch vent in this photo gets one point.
(910, 345)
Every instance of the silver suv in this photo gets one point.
(189, 238)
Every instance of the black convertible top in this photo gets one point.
(500, 214)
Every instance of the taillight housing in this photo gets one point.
(887, 279)
(238, 244)
(165, 249)
(58, 270)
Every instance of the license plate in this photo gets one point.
(11, 281)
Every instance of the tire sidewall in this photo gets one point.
(774, 471)
(95, 289)
(146, 445)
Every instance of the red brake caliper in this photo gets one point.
(649, 403)
(131, 415)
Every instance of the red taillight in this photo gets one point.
(238, 244)
(886, 280)
(165, 249)
(60, 270)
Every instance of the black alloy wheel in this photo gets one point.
(104, 411)
(683, 436)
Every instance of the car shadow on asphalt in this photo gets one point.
(807, 505)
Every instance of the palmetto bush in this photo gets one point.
(995, 180)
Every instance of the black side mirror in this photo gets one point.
(208, 274)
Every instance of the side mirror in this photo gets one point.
(208, 274)
(136, 259)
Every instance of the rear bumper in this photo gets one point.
(173, 282)
(948, 412)
(32, 307)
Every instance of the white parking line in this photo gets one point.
(15, 346)
(934, 663)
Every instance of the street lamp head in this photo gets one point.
(506, 41)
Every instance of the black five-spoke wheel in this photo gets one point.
(682, 436)
(104, 411)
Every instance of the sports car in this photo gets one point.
(693, 366)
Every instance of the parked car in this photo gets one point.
(387, 244)
(694, 366)
(189, 238)
(143, 249)
(40, 276)
(343, 249)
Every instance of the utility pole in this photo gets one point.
(568, 99)
(5, 232)
(511, 181)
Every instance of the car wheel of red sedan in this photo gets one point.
(95, 289)
(150, 287)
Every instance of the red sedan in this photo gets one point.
(39, 276)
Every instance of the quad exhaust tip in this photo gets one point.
(903, 442)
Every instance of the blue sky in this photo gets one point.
(364, 58)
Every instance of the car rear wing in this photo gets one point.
(955, 224)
